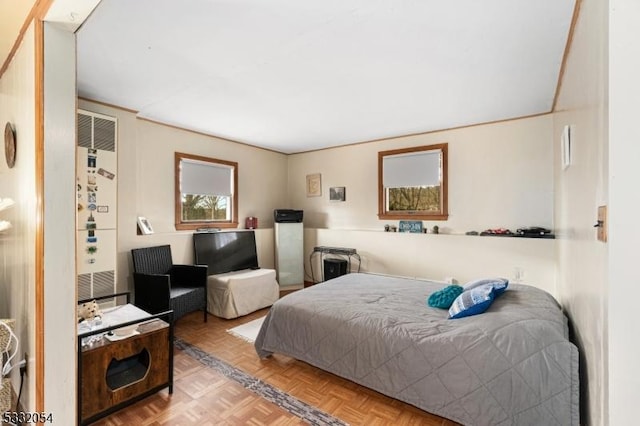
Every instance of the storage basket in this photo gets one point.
(5, 395)
(4, 333)
(5, 339)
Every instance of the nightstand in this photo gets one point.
(114, 372)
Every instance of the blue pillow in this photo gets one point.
(499, 284)
(472, 302)
(445, 297)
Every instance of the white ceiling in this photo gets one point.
(298, 75)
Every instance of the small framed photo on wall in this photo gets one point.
(337, 193)
(144, 225)
(314, 185)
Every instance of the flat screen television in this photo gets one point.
(225, 251)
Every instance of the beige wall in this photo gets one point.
(439, 257)
(500, 175)
(508, 194)
(580, 189)
(17, 245)
(145, 185)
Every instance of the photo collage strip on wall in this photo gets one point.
(91, 204)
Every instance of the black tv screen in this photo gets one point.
(225, 251)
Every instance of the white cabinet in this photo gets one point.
(289, 254)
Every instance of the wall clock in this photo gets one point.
(9, 145)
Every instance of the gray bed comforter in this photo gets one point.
(512, 365)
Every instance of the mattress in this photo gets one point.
(511, 365)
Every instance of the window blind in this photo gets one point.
(411, 169)
(201, 178)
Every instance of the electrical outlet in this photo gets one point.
(518, 274)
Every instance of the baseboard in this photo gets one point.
(291, 287)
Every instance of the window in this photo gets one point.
(206, 192)
(412, 183)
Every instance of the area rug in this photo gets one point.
(248, 331)
(293, 405)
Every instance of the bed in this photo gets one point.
(511, 365)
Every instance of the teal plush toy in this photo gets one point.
(444, 298)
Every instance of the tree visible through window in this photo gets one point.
(204, 207)
(416, 198)
(412, 183)
(206, 192)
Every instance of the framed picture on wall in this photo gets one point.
(337, 193)
(144, 225)
(314, 185)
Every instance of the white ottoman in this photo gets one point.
(238, 293)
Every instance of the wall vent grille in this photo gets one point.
(96, 284)
(96, 132)
(84, 130)
(84, 286)
(104, 133)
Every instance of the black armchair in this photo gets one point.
(160, 285)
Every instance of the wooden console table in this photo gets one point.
(114, 374)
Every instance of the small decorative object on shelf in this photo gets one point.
(435, 229)
(414, 226)
(144, 226)
(497, 231)
(251, 222)
(533, 231)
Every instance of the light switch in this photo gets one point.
(602, 224)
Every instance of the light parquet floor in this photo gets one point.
(202, 396)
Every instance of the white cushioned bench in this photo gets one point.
(238, 293)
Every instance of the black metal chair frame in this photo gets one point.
(155, 277)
